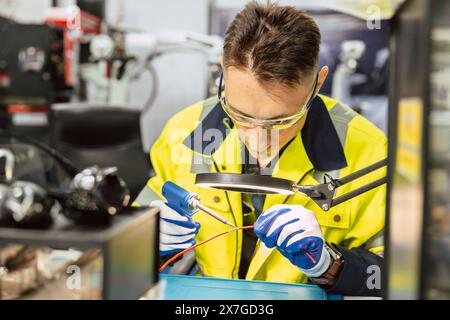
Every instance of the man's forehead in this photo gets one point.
(246, 79)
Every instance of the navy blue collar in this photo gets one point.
(321, 140)
(319, 136)
(216, 119)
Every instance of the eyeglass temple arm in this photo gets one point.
(316, 81)
(219, 89)
(323, 194)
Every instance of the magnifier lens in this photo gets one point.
(245, 183)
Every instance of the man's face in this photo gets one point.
(246, 95)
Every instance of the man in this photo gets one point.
(270, 119)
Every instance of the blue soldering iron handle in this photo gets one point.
(178, 198)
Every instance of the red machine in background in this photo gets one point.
(40, 65)
(75, 24)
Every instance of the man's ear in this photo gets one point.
(323, 73)
(221, 62)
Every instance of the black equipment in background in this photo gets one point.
(23, 203)
(93, 196)
(96, 8)
(32, 70)
(105, 136)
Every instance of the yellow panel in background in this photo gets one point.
(409, 145)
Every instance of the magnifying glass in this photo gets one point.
(321, 194)
(246, 183)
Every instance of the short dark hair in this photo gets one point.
(277, 43)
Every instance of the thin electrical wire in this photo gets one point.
(154, 90)
(179, 254)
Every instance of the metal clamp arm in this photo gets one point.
(323, 194)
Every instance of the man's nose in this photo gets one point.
(261, 134)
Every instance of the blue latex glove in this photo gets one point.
(294, 230)
(176, 231)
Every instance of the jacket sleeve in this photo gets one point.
(363, 251)
(363, 246)
(361, 274)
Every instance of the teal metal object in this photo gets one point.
(201, 288)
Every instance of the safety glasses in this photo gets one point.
(271, 124)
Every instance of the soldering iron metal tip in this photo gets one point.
(230, 224)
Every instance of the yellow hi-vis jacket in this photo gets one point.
(334, 140)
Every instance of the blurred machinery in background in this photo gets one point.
(119, 57)
(345, 75)
(39, 62)
(73, 55)
(418, 217)
(97, 236)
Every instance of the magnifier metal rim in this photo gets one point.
(247, 183)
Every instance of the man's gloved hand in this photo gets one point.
(176, 231)
(295, 232)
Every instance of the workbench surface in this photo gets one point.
(176, 287)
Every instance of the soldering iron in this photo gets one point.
(188, 203)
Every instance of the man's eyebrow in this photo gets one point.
(238, 111)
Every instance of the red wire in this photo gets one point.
(179, 254)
